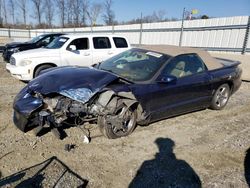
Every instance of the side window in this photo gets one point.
(120, 42)
(53, 37)
(81, 44)
(101, 42)
(44, 41)
(184, 65)
(194, 65)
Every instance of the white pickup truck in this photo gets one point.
(80, 50)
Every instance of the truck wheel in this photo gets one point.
(122, 123)
(39, 69)
(220, 97)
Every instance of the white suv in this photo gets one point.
(81, 50)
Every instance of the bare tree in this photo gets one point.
(85, 7)
(12, 10)
(109, 15)
(156, 16)
(1, 19)
(22, 4)
(77, 12)
(73, 12)
(61, 5)
(94, 12)
(160, 15)
(69, 13)
(38, 10)
(4, 12)
(49, 11)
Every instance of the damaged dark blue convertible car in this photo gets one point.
(136, 87)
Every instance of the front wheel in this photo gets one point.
(41, 68)
(122, 123)
(220, 97)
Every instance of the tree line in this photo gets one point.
(54, 13)
(65, 13)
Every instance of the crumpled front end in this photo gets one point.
(25, 104)
(52, 101)
(74, 106)
(32, 109)
(58, 96)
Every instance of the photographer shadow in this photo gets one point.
(165, 170)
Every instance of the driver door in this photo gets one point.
(78, 52)
(191, 90)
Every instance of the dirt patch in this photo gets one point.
(206, 147)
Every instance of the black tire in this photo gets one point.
(221, 97)
(39, 69)
(129, 117)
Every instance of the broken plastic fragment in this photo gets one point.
(85, 139)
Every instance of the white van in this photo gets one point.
(80, 50)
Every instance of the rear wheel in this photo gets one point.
(39, 69)
(220, 97)
(122, 123)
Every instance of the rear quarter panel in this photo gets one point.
(227, 74)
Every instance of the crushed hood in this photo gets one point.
(66, 80)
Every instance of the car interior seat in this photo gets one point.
(193, 67)
(179, 69)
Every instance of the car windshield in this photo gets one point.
(135, 64)
(34, 40)
(57, 43)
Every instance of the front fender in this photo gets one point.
(25, 103)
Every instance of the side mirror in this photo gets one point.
(72, 48)
(166, 79)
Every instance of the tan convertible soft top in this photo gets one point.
(210, 61)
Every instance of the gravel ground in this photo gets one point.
(202, 148)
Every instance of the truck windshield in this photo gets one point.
(34, 40)
(57, 43)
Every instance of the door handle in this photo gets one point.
(110, 53)
(86, 54)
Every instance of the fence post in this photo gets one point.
(244, 47)
(29, 33)
(182, 25)
(140, 39)
(113, 29)
(9, 33)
